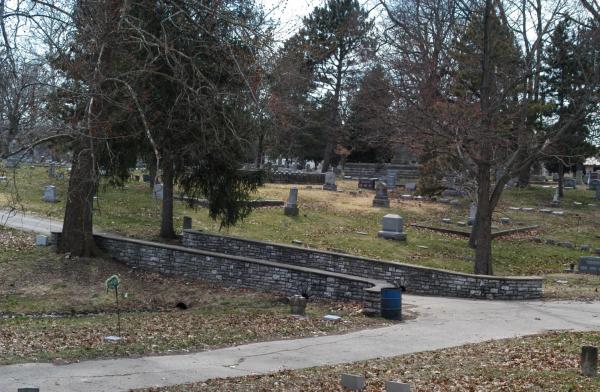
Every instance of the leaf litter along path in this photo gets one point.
(442, 323)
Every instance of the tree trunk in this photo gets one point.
(152, 172)
(482, 229)
(166, 224)
(77, 234)
(524, 176)
(327, 155)
(561, 177)
(259, 151)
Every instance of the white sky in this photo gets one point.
(289, 13)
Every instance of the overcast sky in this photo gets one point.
(289, 13)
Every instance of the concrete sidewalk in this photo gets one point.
(25, 222)
(442, 323)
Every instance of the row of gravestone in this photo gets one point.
(564, 244)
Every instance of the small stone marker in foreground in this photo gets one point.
(353, 382)
(381, 196)
(28, 389)
(187, 223)
(291, 206)
(393, 228)
(41, 240)
(395, 386)
(298, 305)
(589, 361)
(589, 264)
(49, 194)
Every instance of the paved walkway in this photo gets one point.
(20, 221)
(442, 323)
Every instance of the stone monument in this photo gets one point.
(390, 178)
(472, 214)
(157, 191)
(393, 228)
(579, 177)
(556, 198)
(330, 182)
(381, 196)
(49, 194)
(291, 206)
(598, 193)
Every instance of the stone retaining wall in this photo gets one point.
(240, 271)
(295, 178)
(416, 279)
(404, 172)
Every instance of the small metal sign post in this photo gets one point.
(112, 283)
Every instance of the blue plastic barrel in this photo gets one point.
(391, 303)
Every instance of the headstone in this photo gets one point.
(366, 183)
(446, 220)
(406, 197)
(51, 170)
(298, 305)
(579, 177)
(28, 389)
(291, 206)
(330, 182)
(395, 386)
(41, 240)
(545, 211)
(390, 178)
(570, 183)
(461, 223)
(444, 200)
(593, 184)
(589, 361)
(353, 382)
(584, 248)
(472, 214)
(527, 209)
(187, 223)
(598, 193)
(381, 196)
(157, 191)
(393, 228)
(49, 194)
(556, 198)
(3, 179)
(410, 186)
(146, 177)
(589, 265)
(504, 220)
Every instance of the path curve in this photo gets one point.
(442, 323)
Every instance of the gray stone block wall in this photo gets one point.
(239, 271)
(295, 178)
(416, 279)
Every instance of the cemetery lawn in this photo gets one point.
(343, 222)
(548, 362)
(57, 309)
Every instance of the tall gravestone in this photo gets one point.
(472, 214)
(381, 196)
(291, 206)
(49, 194)
(390, 178)
(187, 223)
(330, 182)
(556, 198)
(579, 177)
(157, 191)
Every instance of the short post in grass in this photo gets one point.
(112, 283)
(589, 361)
